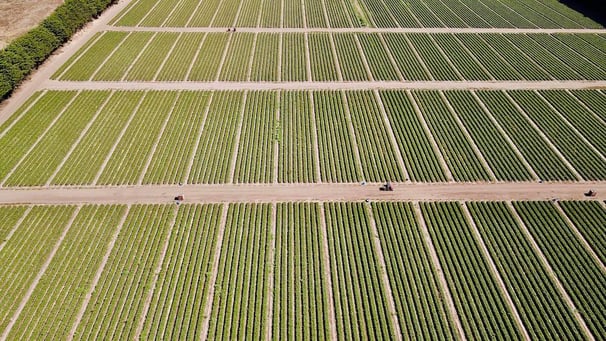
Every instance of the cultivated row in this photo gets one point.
(340, 13)
(63, 138)
(304, 271)
(317, 56)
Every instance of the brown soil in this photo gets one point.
(19, 16)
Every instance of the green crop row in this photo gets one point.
(157, 279)
(255, 158)
(360, 303)
(168, 137)
(480, 305)
(581, 275)
(177, 306)
(240, 304)
(541, 308)
(420, 303)
(336, 13)
(58, 296)
(117, 302)
(24, 253)
(300, 298)
(356, 56)
(589, 218)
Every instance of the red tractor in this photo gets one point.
(387, 187)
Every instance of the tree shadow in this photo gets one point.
(593, 9)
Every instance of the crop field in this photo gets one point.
(163, 177)
(257, 57)
(341, 13)
(170, 137)
(274, 279)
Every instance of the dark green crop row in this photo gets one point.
(343, 13)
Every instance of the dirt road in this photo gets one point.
(302, 192)
(380, 85)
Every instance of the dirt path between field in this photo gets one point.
(387, 85)
(302, 192)
(357, 30)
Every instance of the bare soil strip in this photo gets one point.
(157, 271)
(220, 193)
(495, 272)
(452, 311)
(581, 239)
(213, 277)
(387, 85)
(332, 321)
(89, 293)
(361, 30)
(551, 273)
(376, 244)
(36, 280)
